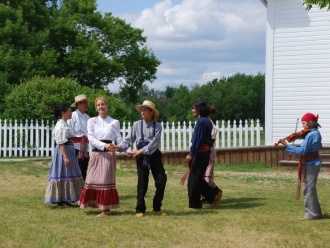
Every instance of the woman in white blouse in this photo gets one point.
(65, 181)
(100, 185)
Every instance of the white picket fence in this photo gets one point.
(34, 138)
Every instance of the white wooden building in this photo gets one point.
(297, 67)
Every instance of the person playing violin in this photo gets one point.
(309, 152)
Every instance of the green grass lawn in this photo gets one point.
(258, 210)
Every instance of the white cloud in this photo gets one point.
(209, 76)
(197, 40)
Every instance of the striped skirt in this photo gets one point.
(100, 184)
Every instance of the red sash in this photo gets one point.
(83, 141)
(302, 169)
(203, 148)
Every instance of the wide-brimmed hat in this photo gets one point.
(79, 98)
(147, 104)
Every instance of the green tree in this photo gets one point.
(237, 97)
(69, 38)
(145, 93)
(5, 89)
(178, 107)
(23, 34)
(321, 3)
(36, 98)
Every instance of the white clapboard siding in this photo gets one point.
(297, 68)
(34, 138)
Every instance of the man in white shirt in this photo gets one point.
(78, 123)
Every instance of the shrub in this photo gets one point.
(36, 98)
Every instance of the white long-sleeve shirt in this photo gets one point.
(78, 123)
(103, 129)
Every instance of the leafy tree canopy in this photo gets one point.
(69, 38)
(36, 98)
(320, 3)
(237, 97)
(5, 89)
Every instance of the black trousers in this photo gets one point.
(83, 164)
(197, 186)
(158, 172)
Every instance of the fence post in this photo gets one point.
(162, 137)
(15, 143)
(258, 132)
(173, 136)
(179, 147)
(37, 138)
(167, 134)
(234, 134)
(252, 132)
(190, 131)
(31, 138)
(47, 130)
(10, 138)
(240, 131)
(42, 138)
(246, 132)
(223, 144)
(184, 135)
(26, 137)
(228, 134)
(21, 138)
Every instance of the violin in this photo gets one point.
(294, 136)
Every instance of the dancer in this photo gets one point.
(209, 173)
(199, 158)
(100, 185)
(147, 133)
(78, 123)
(65, 181)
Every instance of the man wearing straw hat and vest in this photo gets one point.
(78, 123)
(146, 133)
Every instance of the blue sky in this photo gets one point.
(197, 40)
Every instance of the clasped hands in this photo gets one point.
(110, 148)
(133, 154)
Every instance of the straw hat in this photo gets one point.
(147, 104)
(79, 98)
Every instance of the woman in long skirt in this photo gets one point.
(100, 185)
(65, 181)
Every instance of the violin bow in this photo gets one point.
(296, 129)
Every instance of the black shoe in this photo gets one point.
(67, 204)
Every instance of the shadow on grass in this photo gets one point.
(228, 203)
(126, 197)
(325, 216)
(203, 211)
(241, 203)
